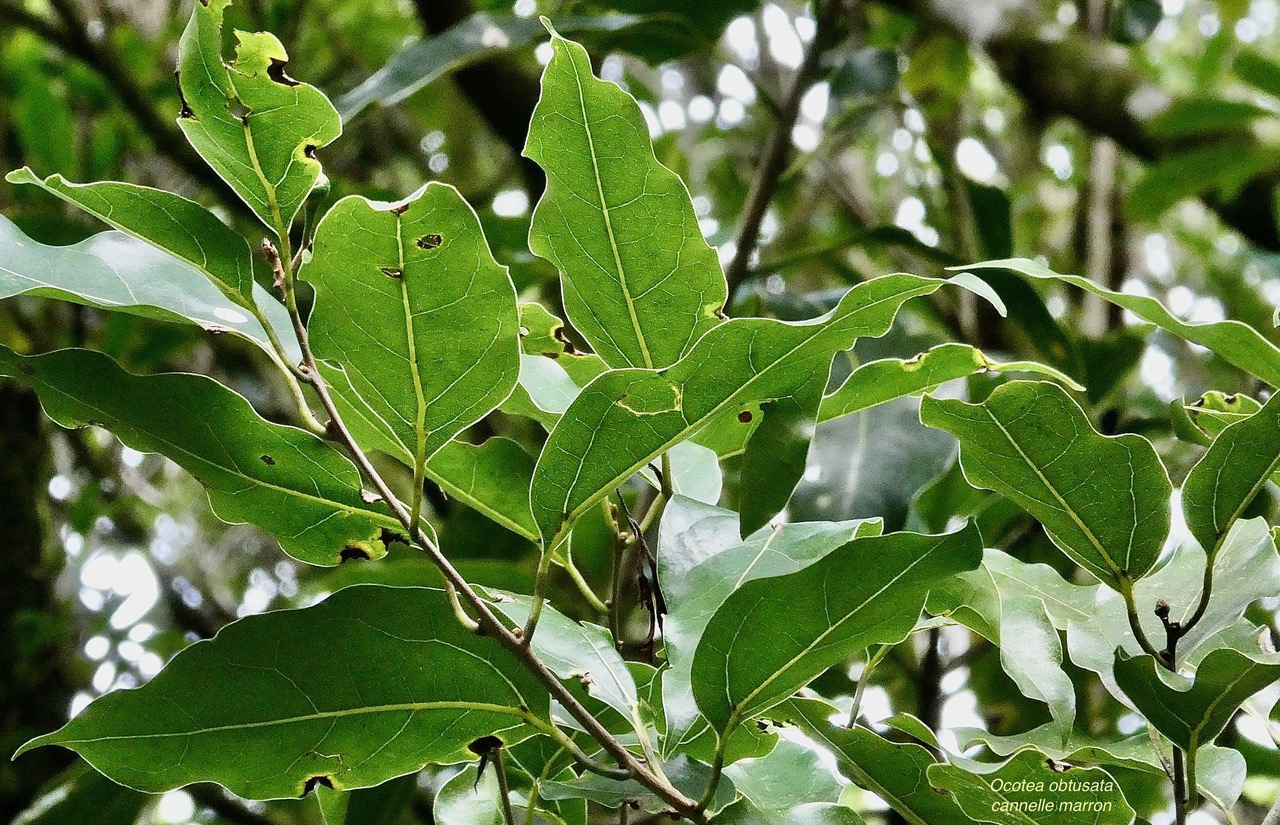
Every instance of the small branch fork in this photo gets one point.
(487, 621)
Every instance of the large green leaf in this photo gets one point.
(285, 480)
(999, 604)
(772, 636)
(701, 561)
(879, 381)
(1232, 472)
(113, 271)
(257, 127)
(414, 320)
(892, 771)
(179, 226)
(627, 417)
(372, 683)
(1030, 789)
(1193, 712)
(469, 798)
(1103, 500)
(1236, 343)
(639, 281)
(1246, 568)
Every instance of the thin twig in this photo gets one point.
(777, 148)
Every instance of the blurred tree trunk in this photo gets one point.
(35, 688)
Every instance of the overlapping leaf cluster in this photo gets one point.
(416, 335)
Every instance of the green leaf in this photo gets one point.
(880, 381)
(113, 271)
(627, 417)
(788, 778)
(1247, 568)
(1214, 411)
(1258, 71)
(1222, 166)
(1204, 116)
(775, 456)
(1193, 712)
(257, 127)
(743, 812)
(1030, 789)
(281, 698)
(415, 322)
(688, 775)
(639, 280)
(82, 795)
(179, 226)
(1229, 476)
(1104, 500)
(478, 37)
(772, 636)
(1014, 616)
(894, 772)
(1238, 344)
(332, 804)
(491, 478)
(701, 561)
(469, 799)
(282, 479)
(581, 652)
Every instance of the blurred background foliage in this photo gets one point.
(1132, 141)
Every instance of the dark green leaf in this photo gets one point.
(641, 297)
(82, 795)
(626, 418)
(282, 479)
(775, 456)
(415, 321)
(1258, 71)
(257, 127)
(1135, 20)
(491, 478)
(1103, 500)
(1205, 116)
(772, 636)
(279, 698)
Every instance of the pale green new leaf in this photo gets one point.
(372, 683)
(639, 280)
(1104, 500)
(415, 322)
(179, 226)
(469, 798)
(1019, 792)
(701, 561)
(627, 417)
(772, 636)
(1246, 568)
(1237, 343)
(285, 480)
(257, 127)
(1232, 472)
(1189, 712)
(791, 785)
(892, 771)
(113, 271)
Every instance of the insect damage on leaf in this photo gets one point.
(314, 782)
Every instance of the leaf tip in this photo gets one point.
(23, 175)
(967, 280)
(546, 21)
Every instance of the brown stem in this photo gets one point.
(777, 149)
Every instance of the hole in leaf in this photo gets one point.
(351, 553)
(276, 72)
(267, 460)
(392, 272)
(431, 241)
(313, 781)
(485, 744)
(745, 416)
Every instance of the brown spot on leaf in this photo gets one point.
(431, 241)
(313, 781)
(351, 552)
(267, 460)
(1058, 767)
(400, 210)
(745, 416)
(392, 272)
(276, 72)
